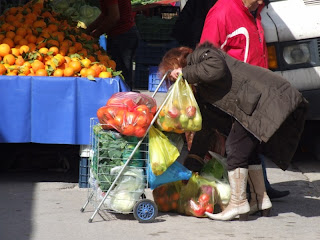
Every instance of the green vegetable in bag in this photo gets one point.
(162, 153)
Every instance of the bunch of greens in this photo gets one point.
(112, 149)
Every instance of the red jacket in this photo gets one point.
(230, 26)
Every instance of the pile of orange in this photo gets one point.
(33, 42)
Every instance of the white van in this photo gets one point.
(292, 32)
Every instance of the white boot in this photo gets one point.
(259, 200)
(238, 204)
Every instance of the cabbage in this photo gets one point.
(123, 201)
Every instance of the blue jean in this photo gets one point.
(122, 49)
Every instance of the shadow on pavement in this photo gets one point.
(22, 167)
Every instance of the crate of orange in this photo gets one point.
(36, 41)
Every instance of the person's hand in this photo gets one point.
(175, 73)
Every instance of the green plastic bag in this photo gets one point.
(162, 153)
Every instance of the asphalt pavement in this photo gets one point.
(45, 205)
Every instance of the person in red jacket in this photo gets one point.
(117, 21)
(235, 27)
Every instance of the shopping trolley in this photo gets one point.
(105, 181)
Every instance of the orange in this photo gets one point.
(31, 38)
(23, 42)
(9, 59)
(112, 64)
(2, 36)
(32, 46)
(75, 65)
(72, 50)
(53, 42)
(91, 72)
(21, 32)
(54, 50)
(43, 50)
(11, 74)
(41, 72)
(58, 73)
(19, 61)
(83, 72)
(17, 39)
(4, 49)
(8, 41)
(105, 75)
(24, 49)
(36, 65)
(78, 46)
(39, 24)
(24, 70)
(86, 62)
(3, 69)
(97, 69)
(10, 34)
(53, 27)
(68, 72)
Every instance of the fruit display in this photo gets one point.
(36, 41)
(129, 113)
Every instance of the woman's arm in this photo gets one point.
(206, 65)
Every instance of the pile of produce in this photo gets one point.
(36, 41)
(129, 113)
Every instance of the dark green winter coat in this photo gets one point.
(262, 101)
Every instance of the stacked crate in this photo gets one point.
(156, 40)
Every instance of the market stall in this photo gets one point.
(52, 110)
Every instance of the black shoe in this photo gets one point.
(273, 193)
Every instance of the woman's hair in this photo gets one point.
(174, 58)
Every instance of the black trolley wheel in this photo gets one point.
(145, 211)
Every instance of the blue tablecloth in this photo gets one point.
(52, 110)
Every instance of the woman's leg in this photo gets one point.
(240, 147)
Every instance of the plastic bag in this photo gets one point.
(174, 173)
(129, 113)
(192, 198)
(128, 191)
(181, 112)
(161, 152)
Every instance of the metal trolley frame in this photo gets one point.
(144, 210)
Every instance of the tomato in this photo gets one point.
(142, 108)
(197, 209)
(118, 119)
(129, 103)
(142, 120)
(175, 196)
(131, 117)
(128, 130)
(101, 111)
(153, 110)
(111, 112)
(139, 131)
(209, 208)
(204, 199)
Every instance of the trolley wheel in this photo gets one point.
(145, 211)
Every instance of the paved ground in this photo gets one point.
(46, 206)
